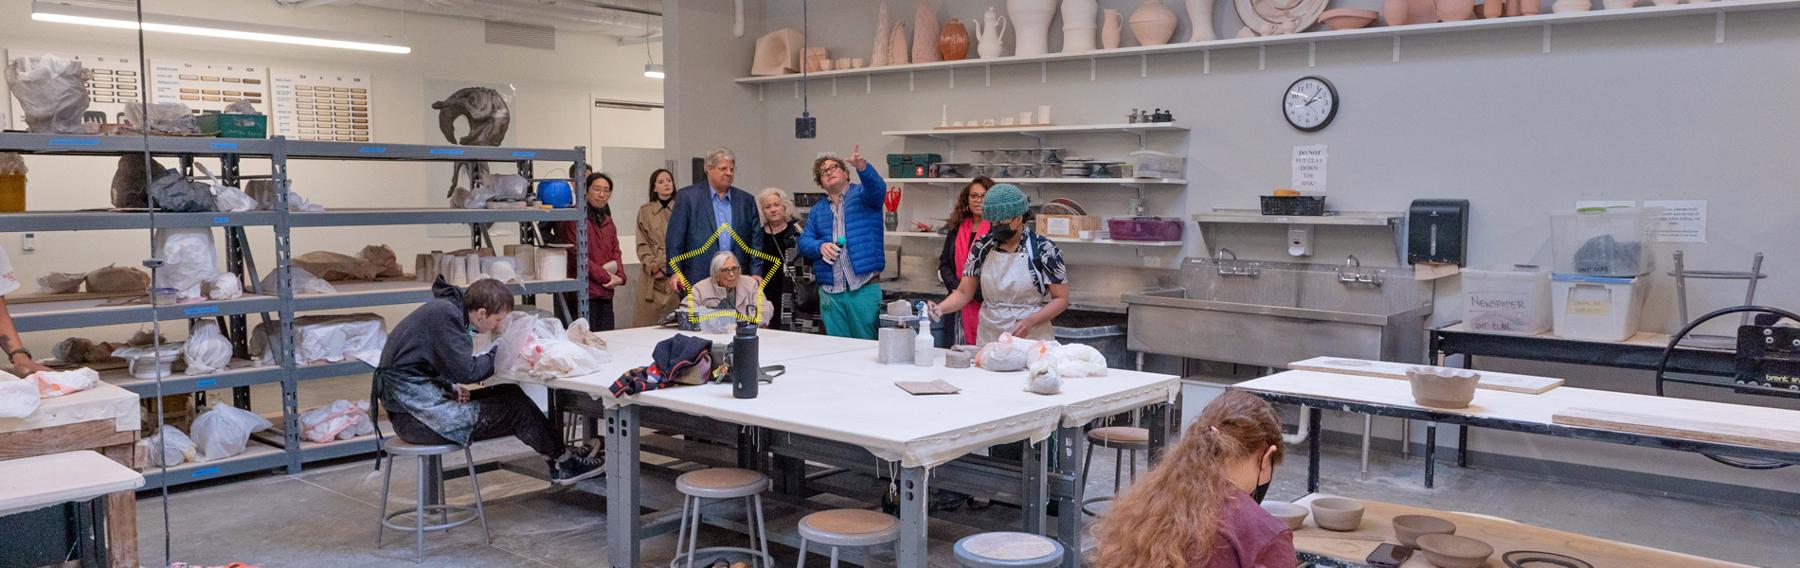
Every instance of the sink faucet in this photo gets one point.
(1236, 268)
(1352, 273)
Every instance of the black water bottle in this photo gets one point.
(745, 369)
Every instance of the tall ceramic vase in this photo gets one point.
(1109, 29)
(925, 33)
(879, 57)
(1200, 17)
(1153, 23)
(1078, 18)
(1031, 25)
(897, 51)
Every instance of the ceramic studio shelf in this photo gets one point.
(257, 456)
(1251, 216)
(1046, 181)
(1047, 129)
(1059, 242)
(1718, 9)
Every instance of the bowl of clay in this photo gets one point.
(1347, 18)
(1408, 528)
(1451, 551)
(1442, 387)
(1337, 513)
(1293, 515)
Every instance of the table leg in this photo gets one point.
(913, 519)
(623, 527)
(1462, 445)
(1161, 430)
(1035, 488)
(121, 512)
(87, 533)
(1430, 452)
(101, 533)
(1072, 450)
(1315, 421)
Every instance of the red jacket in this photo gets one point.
(603, 247)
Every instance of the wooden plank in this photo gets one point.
(93, 434)
(1490, 380)
(1505, 536)
(1719, 427)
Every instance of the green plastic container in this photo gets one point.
(235, 125)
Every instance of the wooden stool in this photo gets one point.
(721, 483)
(431, 482)
(1008, 550)
(1121, 439)
(846, 527)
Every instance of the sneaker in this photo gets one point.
(575, 467)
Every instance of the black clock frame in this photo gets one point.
(1335, 103)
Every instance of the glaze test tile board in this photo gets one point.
(209, 86)
(115, 80)
(324, 105)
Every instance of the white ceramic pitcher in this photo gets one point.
(989, 33)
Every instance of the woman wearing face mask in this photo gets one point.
(781, 235)
(1199, 506)
(655, 298)
(965, 225)
(1016, 274)
(606, 270)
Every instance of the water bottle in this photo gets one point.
(745, 369)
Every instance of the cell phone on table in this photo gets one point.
(1389, 555)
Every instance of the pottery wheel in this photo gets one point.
(1264, 17)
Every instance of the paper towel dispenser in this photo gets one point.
(1437, 231)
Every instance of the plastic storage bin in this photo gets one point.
(1597, 308)
(1510, 300)
(1157, 165)
(1161, 229)
(1608, 242)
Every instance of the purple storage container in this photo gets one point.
(1144, 228)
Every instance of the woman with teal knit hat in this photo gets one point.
(1017, 275)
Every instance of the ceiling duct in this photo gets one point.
(618, 18)
(520, 35)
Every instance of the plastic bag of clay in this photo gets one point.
(326, 339)
(173, 191)
(225, 197)
(223, 431)
(241, 107)
(484, 108)
(12, 164)
(223, 286)
(506, 187)
(1009, 353)
(206, 350)
(263, 191)
(51, 90)
(581, 335)
(518, 337)
(169, 447)
(336, 267)
(1043, 378)
(52, 384)
(339, 420)
(477, 194)
(304, 283)
(61, 282)
(81, 350)
(1074, 360)
(18, 398)
(165, 118)
(117, 279)
(386, 263)
(189, 260)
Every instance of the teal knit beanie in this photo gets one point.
(1003, 202)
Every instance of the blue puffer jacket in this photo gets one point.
(863, 230)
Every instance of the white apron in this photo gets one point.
(1008, 297)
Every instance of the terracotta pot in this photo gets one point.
(1491, 9)
(879, 56)
(1618, 4)
(1337, 513)
(1153, 23)
(1109, 29)
(1200, 18)
(925, 33)
(1078, 18)
(1455, 10)
(953, 43)
(1395, 11)
(1408, 528)
(1293, 515)
(1421, 11)
(1031, 25)
(1348, 18)
(1442, 387)
(1451, 551)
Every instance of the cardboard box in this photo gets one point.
(1066, 226)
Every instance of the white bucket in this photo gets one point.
(552, 263)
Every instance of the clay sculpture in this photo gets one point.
(1281, 17)
(1109, 29)
(1031, 25)
(925, 33)
(897, 54)
(1408, 528)
(990, 31)
(1451, 551)
(1348, 18)
(1078, 18)
(1337, 513)
(879, 54)
(485, 110)
(778, 53)
(1200, 18)
(817, 59)
(953, 43)
(1153, 23)
(1443, 387)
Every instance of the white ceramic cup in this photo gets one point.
(1008, 121)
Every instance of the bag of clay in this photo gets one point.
(189, 260)
(61, 282)
(336, 267)
(81, 350)
(340, 420)
(241, 107)
(169, 447)
(12, 164)
(165, 118)
(206, 350)
(18, 398)
(52, 91)
(52, 384)
(117, 279)
(223, 286)
(326, 339)
(223, 431)
(304, 283)
(477, 194)
(1074, 360)
(386, 263)
(173, 191)
(225, 197)
(1043, 379)
(1009, 353)
(263, 191)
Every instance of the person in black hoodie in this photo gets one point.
(430, 356)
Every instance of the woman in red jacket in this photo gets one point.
(606, 270)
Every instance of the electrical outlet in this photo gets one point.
(1153, 262)
(28, 243)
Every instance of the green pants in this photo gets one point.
(853, 313)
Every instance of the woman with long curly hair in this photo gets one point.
(1199, 506)
(965, 225)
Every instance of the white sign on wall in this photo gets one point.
(113, 80)
(1682, 221)
(323, 105)
(209, 86)
(1309, 168)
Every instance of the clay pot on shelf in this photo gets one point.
(1408, 528)
(1078, 29)
(1443, 387)
(1571, 6)
(1451, 551)
(1348, 18)
(989, 33)
(1337, 513)
(1153, 23)
(1618, 4)
(1031, 25)
(925, 33)
(1293, 515)
(897, 52)
(1395, 11)
(1455, 10)
(777, 53)
(1200, 18)
(879, 57)
(953, 43)
(1112, 24)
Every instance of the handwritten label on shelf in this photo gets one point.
(206, 383)
(1309, 168)
(447, 151)
(74, 141)
(200, 311)
(205, 472)
(1682, 221)
(524, 154)
(371, 150)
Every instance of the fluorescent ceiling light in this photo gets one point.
(69, 14)
(654, 71)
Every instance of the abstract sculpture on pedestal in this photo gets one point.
(990, 32)
(878, 56)
(1109, 29)
(1280, 17)
(953, 43)
(1078, 25)
(1200, 17)
(925, 33)
(1031, 25)
(778, 53)
(1153, 23)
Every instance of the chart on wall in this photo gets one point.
(324, 105)
(209, 86)
(114, 80)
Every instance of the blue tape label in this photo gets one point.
(202, 310)
(372, 150)
(205, 472)
(74, 141)
(206, 382)
(524, 154)
(224, 146)
(447, 151)
(220, 220)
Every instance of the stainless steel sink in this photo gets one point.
(1270, 314)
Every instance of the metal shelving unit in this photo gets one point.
(283, 449)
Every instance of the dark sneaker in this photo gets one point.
(575, 467)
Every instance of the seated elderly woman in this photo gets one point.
(727, 288)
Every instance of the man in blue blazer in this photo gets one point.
(700, 209)
(843, 239)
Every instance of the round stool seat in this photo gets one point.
(722, 483)
(850, 527)
(1122, 437)
(1008, 550)
(399, 447)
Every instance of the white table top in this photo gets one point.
(105, 401)
(29, 484)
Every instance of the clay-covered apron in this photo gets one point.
(1008, 296)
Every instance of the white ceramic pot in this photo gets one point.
(1079, 26)
(1200, 17)
(1031, 25)
(1109, 31)
(989, 34)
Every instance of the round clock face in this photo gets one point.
(1310, 104)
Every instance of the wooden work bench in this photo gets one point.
(104, 419)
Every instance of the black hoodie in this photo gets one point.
(428, 352)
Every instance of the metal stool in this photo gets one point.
(1121, 439)
(431, 483)
(1008, 550)
(721, 483)
(846, 527)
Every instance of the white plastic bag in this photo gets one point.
(225, 286)
(206, 350)
(169, 447)
(52, 90)
(189, 260)
(304, 283)
(223, 431)
(326, 339)
(1043, 378)
(1010, 353)
(340, 420)
(165, 118)
(52, 384)
(1076, 360)
(18, 398)
(225, 197)
(540, 348)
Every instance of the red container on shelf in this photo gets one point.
(1144, 228)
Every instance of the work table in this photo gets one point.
(1078, 300)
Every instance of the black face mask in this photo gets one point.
(1261, 490)
(1002, 232)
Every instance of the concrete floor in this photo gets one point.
(326, 516)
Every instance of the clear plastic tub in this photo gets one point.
(1597, 308)
(1512, 299)
(1157, 165)
(1609, 242)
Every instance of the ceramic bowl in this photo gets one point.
(1443, 387)
(1337, 513)
(1451, 551)
(1293, 515)
(1408, 528)
(1347, 18)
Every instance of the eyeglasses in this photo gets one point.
(830, 168)
(977, 196)
(731, 270)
